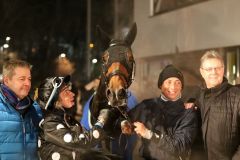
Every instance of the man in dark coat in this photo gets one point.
(166, 128)
(219, 103)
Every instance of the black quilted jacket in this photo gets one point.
(220, 112)
(174, 126)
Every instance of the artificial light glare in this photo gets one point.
(62, 55)
(91, 45)
(5, 45)
(234, 69)
(94, 60)
(8, 38)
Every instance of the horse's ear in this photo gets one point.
(130, 37)
(103, 38)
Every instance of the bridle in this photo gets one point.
(119, 52)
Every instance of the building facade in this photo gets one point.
(180, 36)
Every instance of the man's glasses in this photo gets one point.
(210, 69)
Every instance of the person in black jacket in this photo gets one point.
(166, 128)
(219, 103)
(61, 136)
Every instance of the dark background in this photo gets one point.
(41, 30)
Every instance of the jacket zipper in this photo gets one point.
(24, 137)
(23, 124)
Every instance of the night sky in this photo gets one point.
(34, 19)
(42, 29)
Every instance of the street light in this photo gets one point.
(8, 38)
(94, 60)
(5, 45)
(91, 45)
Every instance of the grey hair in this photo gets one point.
(211, 54)
(11, 65)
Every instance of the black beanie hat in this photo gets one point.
(170, 71)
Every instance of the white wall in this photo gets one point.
(204, 25)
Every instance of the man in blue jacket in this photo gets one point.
(19, 116)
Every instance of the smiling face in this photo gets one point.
(19, 82)
(171, 88)
(66, 97)
(212, 71)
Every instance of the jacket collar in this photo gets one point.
(215, 91)
(164, 98)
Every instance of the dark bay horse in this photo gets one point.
(118, 69)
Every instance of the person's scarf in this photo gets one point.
(20, 105)
(172, 109)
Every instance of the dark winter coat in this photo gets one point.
(174, 129)
(220, 112)
(63, 138)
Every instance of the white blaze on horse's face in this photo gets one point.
(117, 86)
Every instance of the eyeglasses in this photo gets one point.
(210, 69)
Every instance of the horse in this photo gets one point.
(118, 70)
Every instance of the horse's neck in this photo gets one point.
(100, 94)
(99, 100)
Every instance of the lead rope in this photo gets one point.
(125, 115)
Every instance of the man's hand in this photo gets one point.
(126, 127)
(141, 130)
(190, 105)
(103, 116)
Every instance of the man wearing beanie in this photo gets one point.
(166, 129)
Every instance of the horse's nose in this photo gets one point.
(121, 94)
(117, 97)
(109, 93)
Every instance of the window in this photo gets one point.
(162, 6)
(232, 56)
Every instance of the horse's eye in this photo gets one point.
(130, 56)
(105, 58)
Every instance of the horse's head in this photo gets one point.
(118, 66)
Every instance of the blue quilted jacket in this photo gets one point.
(18, 134)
